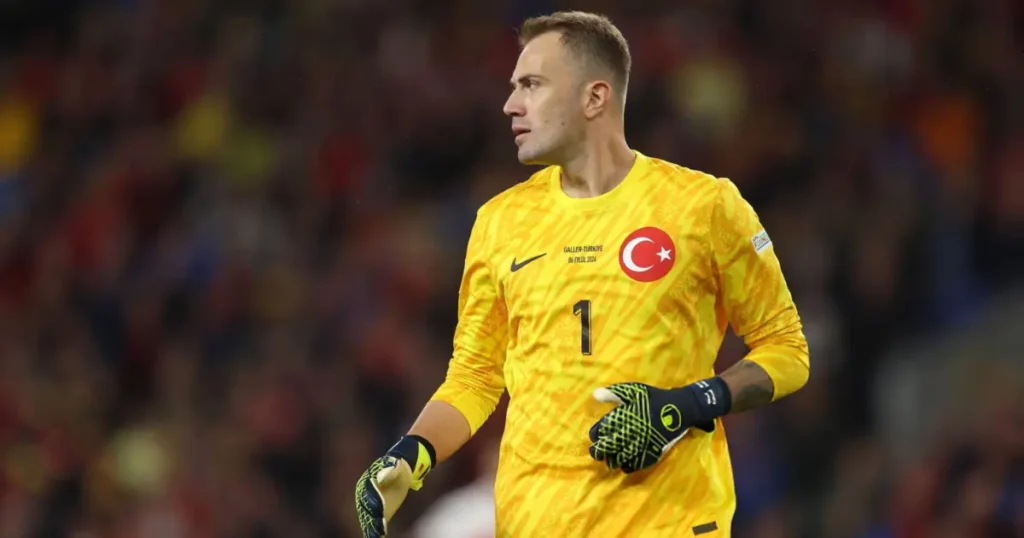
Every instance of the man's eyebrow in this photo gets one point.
(525, 78)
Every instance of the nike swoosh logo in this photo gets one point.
(520, 265)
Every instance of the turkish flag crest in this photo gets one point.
(647, 254)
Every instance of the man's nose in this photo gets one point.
(513, 107)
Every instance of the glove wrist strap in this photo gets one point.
(418, 453)
(704, 401)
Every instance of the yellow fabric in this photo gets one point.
(523, 331)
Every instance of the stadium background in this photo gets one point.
(231, 235)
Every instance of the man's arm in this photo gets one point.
(444, 426)
(475, 379)
(757, 303)
(460, 406)
(749, 385)
(754, 299)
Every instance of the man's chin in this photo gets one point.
(532, 158)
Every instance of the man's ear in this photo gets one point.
(597, 97)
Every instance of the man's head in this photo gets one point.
(571, 79)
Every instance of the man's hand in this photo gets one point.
(381, 490)
(648, 421)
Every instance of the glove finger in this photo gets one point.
(372, 525)
(370, 507)
(628, 463)
(376, 530)
(598, 427)
(610, 461)
(368, 498)
(615, 422)
(636, 464)
(379, 524)
(626, 392)
(622, 446)
(601, 450)
(373, 533)
(388, 473)
(611, 437)
(605, 395)
(614, 461)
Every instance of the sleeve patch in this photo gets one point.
(761, 241)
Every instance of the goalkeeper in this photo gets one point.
(598, 293)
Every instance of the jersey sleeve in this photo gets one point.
(475, 380)
(754, 293)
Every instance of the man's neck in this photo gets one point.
(597, 168)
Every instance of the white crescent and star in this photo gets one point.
(627, 255)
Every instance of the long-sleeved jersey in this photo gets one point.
(563, 295)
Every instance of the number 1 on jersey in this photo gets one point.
(582, 309)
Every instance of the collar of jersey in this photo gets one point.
(602, 201)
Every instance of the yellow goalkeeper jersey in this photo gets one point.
(563, 295)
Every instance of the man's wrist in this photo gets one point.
(702, 402)
(417, 452)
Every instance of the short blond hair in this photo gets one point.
(591, 36)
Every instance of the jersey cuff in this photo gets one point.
(475, 412)
(787, 370)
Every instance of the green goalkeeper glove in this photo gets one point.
(648, 421)
(381, 490)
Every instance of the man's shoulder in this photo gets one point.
(675, 182)
(679, 175)
(532, 189)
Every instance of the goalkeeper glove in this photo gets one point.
(648, 421)
(381, 490)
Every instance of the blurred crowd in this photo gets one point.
(232, 232)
